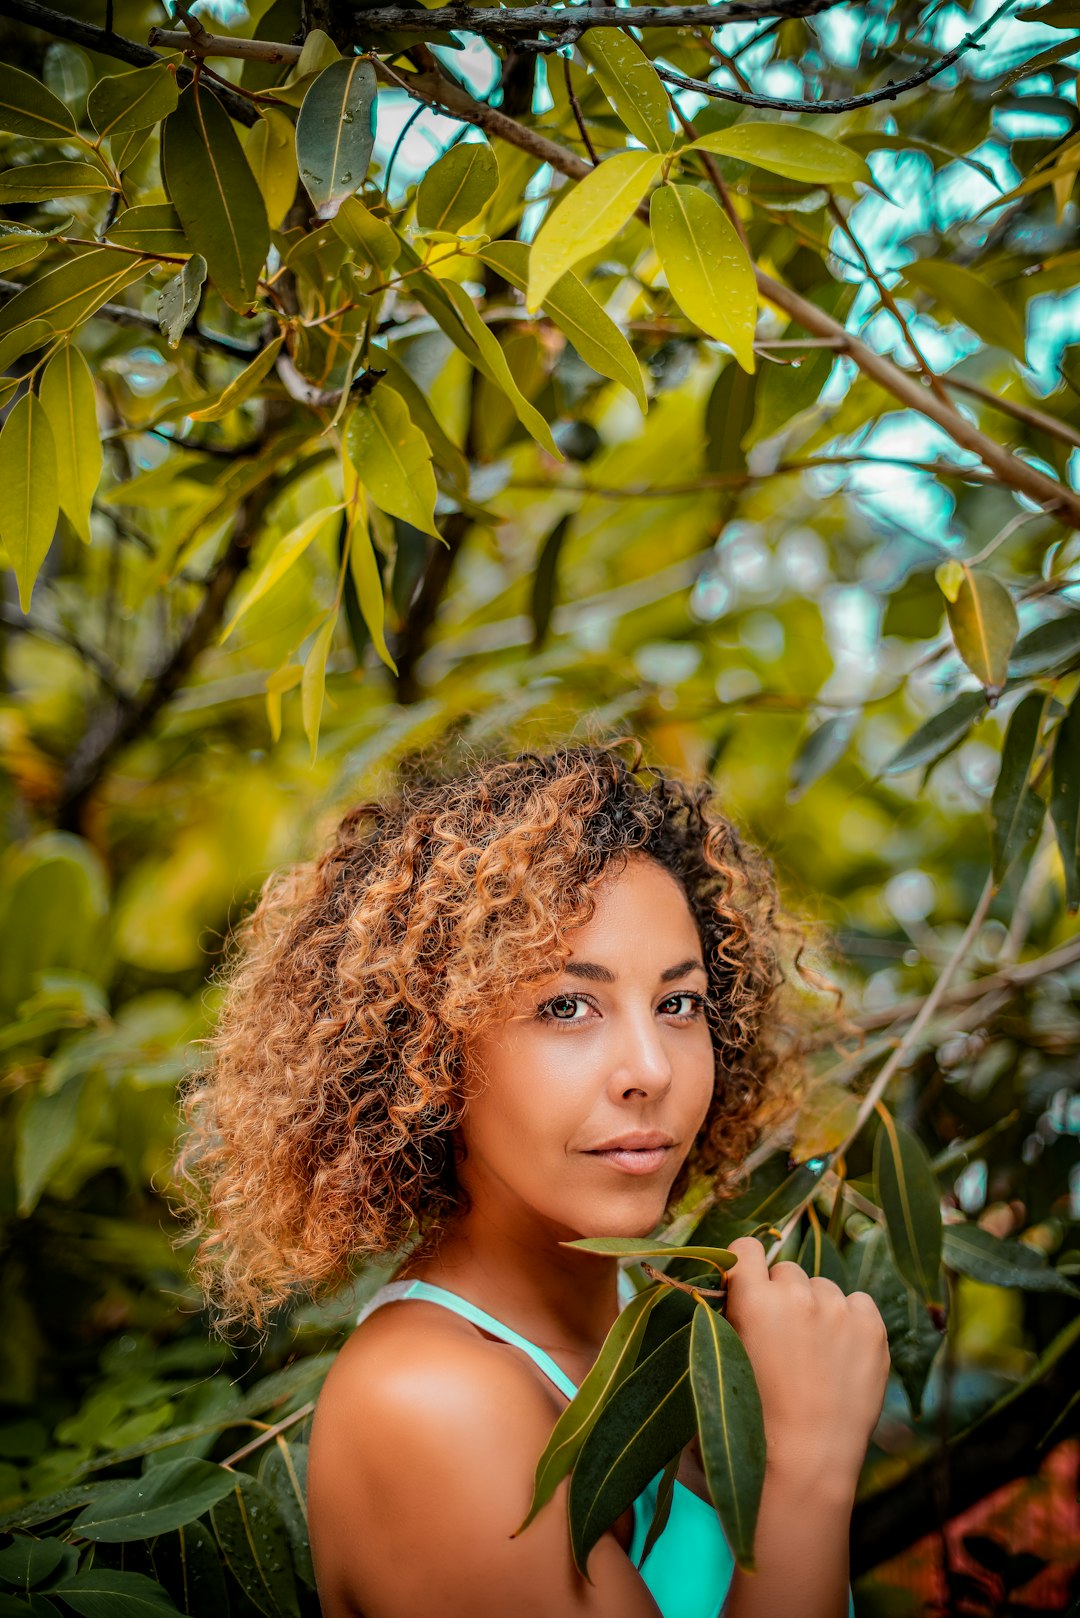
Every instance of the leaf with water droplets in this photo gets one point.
(335, 133)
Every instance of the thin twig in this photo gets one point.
(268, 1436)
(575, 106)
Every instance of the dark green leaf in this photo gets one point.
(29, 1562)
(28, 108)
(1017, 812)
(153, 226)
(66, 295)
(649, 1419)
(637, 1247)
(1065, 799)
(908, 1195)
(730, 1424)
(189, 1567)
(127, 101)
(914, 1340)
(255, 1544)
(1049, 648)
(728, 415)
(166, 1497)
(104, 1593)
(823, 747)
(335, 133)
(283, 1473)
(542, 601)
(819, 1255)
(983, 1257)
(939, 735)
(179, 299)
(665, 1494)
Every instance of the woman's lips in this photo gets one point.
(634, 1161)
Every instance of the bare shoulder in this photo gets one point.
(423, 1450)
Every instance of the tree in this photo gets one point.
(295, 418)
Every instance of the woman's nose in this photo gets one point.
(642, 1063)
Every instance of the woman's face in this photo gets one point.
(613, 1051)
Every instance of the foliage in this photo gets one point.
(315, 452)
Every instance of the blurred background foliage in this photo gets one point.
(842, 583)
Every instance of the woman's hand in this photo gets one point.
(821, 1360)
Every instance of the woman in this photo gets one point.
(514, 1005)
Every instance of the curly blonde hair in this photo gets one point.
(321, 1130)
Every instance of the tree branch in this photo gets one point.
(124, 316)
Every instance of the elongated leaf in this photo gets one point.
(285, 553)
(313, 683)
(631, 84)
(189, 1567)
(393, 458)
(588, 217)
(67, 393)
(178, 299)
(444, 452)
(819, 750)
(28, 108)
(665, 1494)
(457, 188)
(631, 1247)
(271, 152)
(153, 226)
(708, 272)
(1017, 811)
(255, 1545)
(578, 315)
(908, 1195)
(105, 1593)
(47, 1131)
(16, 250)
(66, 296)
(364, 570)
(215, 194)
(976, 1253)
(335, 133)
(41, 182)
(1049, 648)
(771, 1196)
(126, 101)
(648, 1419)
(283, 1473)
(498, 370)
(797, 154)
(819, 1255)
(612, 1365)
(969, 298)
(29, 498)
(364, 234)
(1064, 798)
(984, 625)
(730, 1425)
(914, 1340)
(166, 1497)
(939, 735)
(244, 386)
(28, 1562)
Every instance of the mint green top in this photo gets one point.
(689, 1569)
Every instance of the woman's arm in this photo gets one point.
(821, 1360)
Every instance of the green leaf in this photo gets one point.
(444, 452)
(632, 85)
(665, 1494)
(495, 367)
(971, 300)
(393, 458)
(215, 194)
(29, 1562)
(819, 1255)
(28, 108)
(773, 1193)
(41, 182)
(941, 732)
(283, 1473)
(178, 299)
(362, 233)
(29, 493)
(255, 1544)
(796, 153)
(457, 188)
(728, 415)
(984, 1257)
(166, 1497)
(588, 217)
(153, 226)
(819, 750)
(1050, 648)
(542, 594)
(1017, 811)
(611, 1367)
(335, 133)
(136, 100)
(364, 571)
(313, 683)
(786, 390)
(631, 1247)
(271, 153)
(730, 1424)
(707, 268)
(69, 294)
(47, 1132)
(244, 386)
(578, 315)
(189, 1567)
(1064, 798)
(67, 393)
(649, 1418)
(16, 250)
(287, 551)
(984, 625)
(914, 1340)
(908, 1195)
(104, 1593)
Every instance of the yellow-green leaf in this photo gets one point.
(393, 458)
(282, 680)
(287, 551)
(41, 182)
(67, 393)
(497, 368)
(984, 627)
(949, 576)
(969, 298)
(707, 268)
(456, 188)
(71, 292)
(730, 1426)
(787, 149)
(126, 101)
(907, 1192)
(29, 502)
(576, 313)
(335, 133)
(271, 152)
(153, 226)
(16, 250)
(243, 386)
(363, 233)
(28, 108)
(631, 84)
(633, 1247)
(313, 683)
(588, 217)
(178, 299)
(364, 570)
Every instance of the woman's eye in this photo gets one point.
(555, 1010)
(696, 1001)
(552, 1007)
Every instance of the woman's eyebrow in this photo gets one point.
(604, 974)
